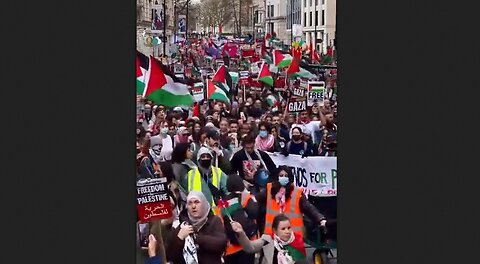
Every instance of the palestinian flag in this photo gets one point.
(233, 205)
(142, 67)
(161, 88)
(296, 249)
(279, 60)
(272, 100)
(264, 75)
(223, 79)
(293, 68)
(216, 93)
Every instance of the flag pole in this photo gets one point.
(164, 29)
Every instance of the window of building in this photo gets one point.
(304, 19)
(316, 17)
(323, 2)
(304, 3)
(271, 11)
(255, 17)
(323, 17)
(310, 22)
(316, 2)
(310, 2)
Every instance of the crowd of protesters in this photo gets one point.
(215, 152)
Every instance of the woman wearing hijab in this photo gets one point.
(264, 141)
(284, 246)
(200, 238)
(282, 197)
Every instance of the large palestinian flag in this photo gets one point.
(160, 85)
(279, 60)
(223, 79)
(265, 76)
(216, 93)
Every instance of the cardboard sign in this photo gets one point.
(153, 202)
(316, 85)
(296, 105)
(244, 74)
(244, 82)
(316, 92)
(197, 91)
(178, 68)
(299, 91)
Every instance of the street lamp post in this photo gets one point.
(186, 22)
(316, 20)
(291, 21)
(164, 28)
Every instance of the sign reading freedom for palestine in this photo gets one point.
(153, 202)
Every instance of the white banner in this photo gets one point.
(316, 175)
(157, 19)
(182, 24)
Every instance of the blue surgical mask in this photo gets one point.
(283, 181)
(263, 134)
(164, 131)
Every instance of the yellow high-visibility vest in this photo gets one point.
(195, 182)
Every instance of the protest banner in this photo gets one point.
(316, 175)
(153, 202)
(299, 91)
(197, 91)
(178, 68)
(316, 90)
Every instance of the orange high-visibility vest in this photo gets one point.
(232, 249)
(292, 211)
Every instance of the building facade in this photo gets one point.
(144, 24)
(319, 22)
(294, 10)
(276, 16)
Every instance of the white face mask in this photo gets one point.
(283, 181)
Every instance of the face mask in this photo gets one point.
(157, 149)
(283, 181)
(263, 134)
(297, 137)
(205, 163)
(164, 131)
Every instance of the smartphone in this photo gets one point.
(144, 232)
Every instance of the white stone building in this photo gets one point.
(276, 19)
(144, 23)
(319, 16)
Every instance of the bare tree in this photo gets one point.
(213, 13)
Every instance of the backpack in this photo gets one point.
(249, 225)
